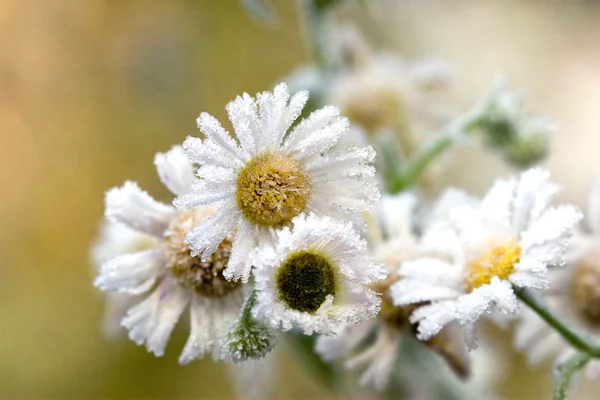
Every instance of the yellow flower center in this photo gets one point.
(204, 277)
(585, 287)
(499, 261)
(272, 189)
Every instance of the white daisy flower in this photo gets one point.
(574, 296)
(114, 240)
(393, 240)
(510, 239)
(272, 174)
(167, 276)
(314, 277)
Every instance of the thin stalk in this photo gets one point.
(566, 371)
(575, 339)
(315, 15)
(453, 134)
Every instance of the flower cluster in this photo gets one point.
(276, 204)
(282, 227)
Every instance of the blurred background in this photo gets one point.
(90, 90)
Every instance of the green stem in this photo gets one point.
(566, 371)
(315, 15)
(453, 134)
(575, 339)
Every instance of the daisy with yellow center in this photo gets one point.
(272, 173)
(165, 279)
(509, 239)
(314, 277)
(393, 239)
(574, 296)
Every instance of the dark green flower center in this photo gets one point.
(305, 280)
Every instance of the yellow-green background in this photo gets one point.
(90, 90)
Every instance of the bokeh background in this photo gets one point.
(90, 90)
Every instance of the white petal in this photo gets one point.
(432, 318)
(243, 115)
(209, 152)
(135, 208)
(133, 273)
(204, 193)
(531, 185)
(315, 122)
(334, 347)
(433, 270)
(208, 318)
(321, 140)
(153, 320)
(546, 239)
(470, 307)
(175, 170)
(496, 206)
(593, 209)
(206, 236)
(412, 291)
(212, 128)
(239, 264)
(353, 162)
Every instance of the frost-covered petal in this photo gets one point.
(205, 237)
(175, 170)
(209, 152)
(239, 265)
(212, 128)
(432, 318)
(413, 291)
(152, 321)
(334, 347)
(496, 206)
(547, 237)
(209, 319)
(499, 293)
(320, 140)
(243, 115)
(204, 193)
(135, 208)
(133, 273)
(316, 121)
(531, 195)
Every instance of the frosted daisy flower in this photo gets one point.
(273, 174)
(393, 240)
(509, 240)
(574, 296)
(166, 277)
(115, 239)
(314, 277)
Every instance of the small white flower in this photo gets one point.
(315, 276)
(393, 240)
(574, 296)
(272, 174)
(114, 240)
(166, 277)
(511, 238)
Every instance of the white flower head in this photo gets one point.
(315, 276)
(272, 174)
(393, 240)
(165, 279)
(511, 238)
(574, 296)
